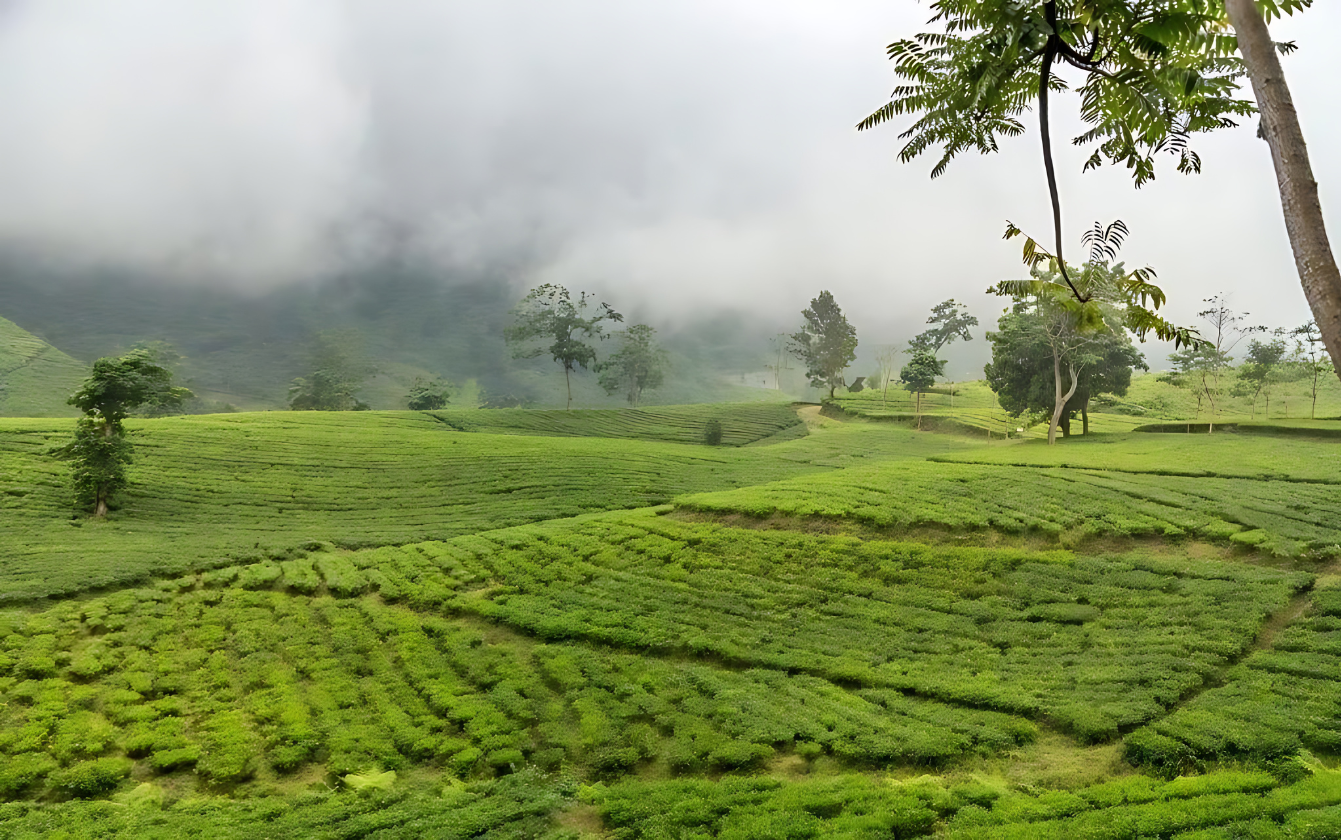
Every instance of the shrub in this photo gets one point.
(712, 432)
(91, 778)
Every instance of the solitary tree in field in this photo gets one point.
(565, 328)
(1154, 73)
(1311, 357)
(639, 365)
(117, 386)
(826, 343)
(427, 395)
(919, 375)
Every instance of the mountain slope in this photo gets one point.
(35, 378)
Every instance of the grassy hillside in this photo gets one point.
(568, 625)
(35, 378)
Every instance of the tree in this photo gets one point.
(920, 374)
(884, 358)
(1263, 368)
(1073, 308)
(335, 377)
(826, 343)
(117, 386)
(639, 364)
(952, 322)
(1155, 73)
(549, 314)
(1022, 374)
(427, 395)
(1311, 356)
(1289, 154)
(1193, 370)
(1225, 329)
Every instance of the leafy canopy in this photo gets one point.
(564, 327)
(826, 343)
(1154, 73)
(118, 385)
(639, 365)
(952, 322)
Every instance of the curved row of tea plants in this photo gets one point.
(1218, 806)
(1278, 517)
(234, 488)
(740, 424)
(1272, 704)
(1094, 643)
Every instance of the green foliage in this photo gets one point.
(1154, 76)
(639, 365)
(100, 451)
(334, 378)
(712, 432)
(118, 385)
(1274, 703)
(1070, 505)
(1021, 370)
(921, 371)
(952, 322)
(826, 343)
(428, 395)
(565, 328)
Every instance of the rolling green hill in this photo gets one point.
(35, 378)
(588, 624)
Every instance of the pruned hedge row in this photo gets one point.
(1282, 518)
(1273, 704)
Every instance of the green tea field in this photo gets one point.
(593, 624)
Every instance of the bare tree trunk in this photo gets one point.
(569, 383)
(1085, 418)
(1060, 398)
(1294, 175)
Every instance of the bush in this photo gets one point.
(712, 432)
(91, 778)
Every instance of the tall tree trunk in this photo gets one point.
(567, 381)
(1294, 176)
(1085, 417)
(1059, 398)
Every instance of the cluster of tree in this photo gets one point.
(1278, 357)
(550, 321)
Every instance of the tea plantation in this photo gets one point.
(519, 624)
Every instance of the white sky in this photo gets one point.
(676, 156)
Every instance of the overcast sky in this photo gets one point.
(673, 155)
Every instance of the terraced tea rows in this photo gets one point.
(253, 683)
(1093, 643)
(740, 423)
(1278, 517)
(229, 488)
(1220, 806)
(1223, 455)
(1271, 705)
(35, 378)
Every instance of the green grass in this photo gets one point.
(35, 378)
